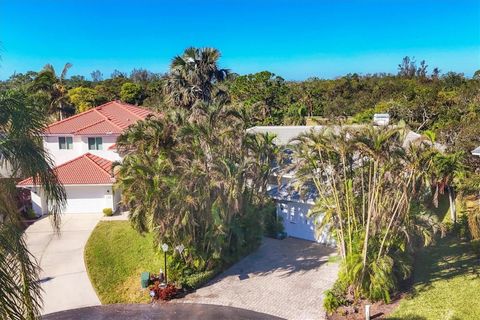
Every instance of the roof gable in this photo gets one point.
(86, 169)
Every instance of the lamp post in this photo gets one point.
(165, 249)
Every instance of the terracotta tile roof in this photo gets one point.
(113, 147)
(86, 169)
(111, 117)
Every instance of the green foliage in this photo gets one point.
(335, 297)
(31, 214)
(107, 212)
(367, 179)
(131, 93)
(212, 174)
(83, 98)
(197, 280)
(273, 223)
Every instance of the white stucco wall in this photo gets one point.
(80, 146)
(39, 203)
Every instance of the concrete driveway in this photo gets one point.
(63, 277)
(285, 278)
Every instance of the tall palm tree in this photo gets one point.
(21, 126)
(48, 82)
(194, 77)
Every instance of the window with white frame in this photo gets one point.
(95, 143)
(65, 143)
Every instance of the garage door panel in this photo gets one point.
(86, 199)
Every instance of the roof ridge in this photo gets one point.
(125, 108)
(90, 125)
(69, 118)
(105, 119)
(89, 155)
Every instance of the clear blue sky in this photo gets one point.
(295, 39)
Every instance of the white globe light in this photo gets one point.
(165, 247)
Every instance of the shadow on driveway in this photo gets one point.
(285, 278)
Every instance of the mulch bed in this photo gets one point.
(378, 310)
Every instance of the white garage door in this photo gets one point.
(298, 225)
(88, 199)
(295, 220)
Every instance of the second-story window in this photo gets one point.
(65, 143)
(95, 143)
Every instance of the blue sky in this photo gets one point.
(295, 39)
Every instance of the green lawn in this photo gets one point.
(115, 256)
(447, 284)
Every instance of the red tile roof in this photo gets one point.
(111, 117)
(86, 169)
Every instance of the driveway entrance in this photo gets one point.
(285, 278)
(63, 277)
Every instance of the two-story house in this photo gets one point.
(83, 150)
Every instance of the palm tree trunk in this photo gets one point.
(453, 208)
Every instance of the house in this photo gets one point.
(292, 207)
(82, 148)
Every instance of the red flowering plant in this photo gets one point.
(165, 293)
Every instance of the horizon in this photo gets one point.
(308, 39)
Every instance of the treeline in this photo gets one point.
(447, 104)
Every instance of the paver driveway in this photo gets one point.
(285, 278)
(64, 277)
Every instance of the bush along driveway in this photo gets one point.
(63, 277)
(284, 278)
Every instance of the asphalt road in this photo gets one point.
(160, 311)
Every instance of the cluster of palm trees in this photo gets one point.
(197, 182)
(367, 180)
(192, 174)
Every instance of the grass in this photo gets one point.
(446, 284)
(115, 256)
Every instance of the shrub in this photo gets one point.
(31, 214)
(273, 224)
(334, 298)
(107, 212)
(196, 280)
(475, 247)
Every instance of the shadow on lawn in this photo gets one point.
(286, 257)
(449, 258)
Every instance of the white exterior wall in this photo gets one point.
(39, 202)
(298, 225)
(80, 147)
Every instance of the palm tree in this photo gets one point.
(54, 86)
(21, 126)
(365, 180)
(195, 182)
(194, 77)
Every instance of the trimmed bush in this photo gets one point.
(196, 280)
(108, 212)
